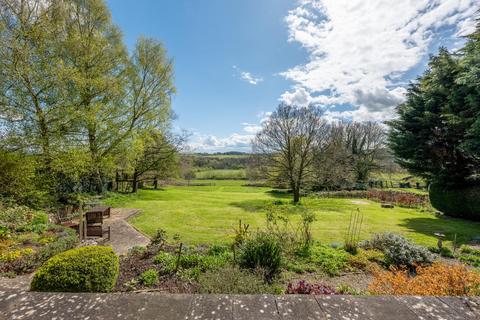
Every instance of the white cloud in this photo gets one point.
(251, 128)
(263, 116)
(359, 50)
(234, 142)
(298, 97)
(212, 143)
(247, 76)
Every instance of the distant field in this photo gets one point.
(208, 214)
(223, 156)
(221, 174)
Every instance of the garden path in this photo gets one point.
(123, 235)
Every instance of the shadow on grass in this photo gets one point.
(464, 230)
(257, 205)
(153, 189)
(281, 194)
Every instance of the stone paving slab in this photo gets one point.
(16, 304)
(431, 308)
(258, 307)
(211, 307)
(467, 307)
(293, 307)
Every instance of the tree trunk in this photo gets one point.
(94, 155)
(296, 195)
(135, 182)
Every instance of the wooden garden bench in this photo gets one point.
(94, 221)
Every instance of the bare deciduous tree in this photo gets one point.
(287, 142)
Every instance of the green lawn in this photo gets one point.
(208, 214)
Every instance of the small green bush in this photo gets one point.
(363, 259)
(149, 277)
(262, 251)
(398, 250)
(17, 217)
(443, 251)
(67, 239)
(4, 233)
(233, 280)
(470, 250)
(331, 261)
(191, 263)
(470, 256)
(460, 203)
(86, 269)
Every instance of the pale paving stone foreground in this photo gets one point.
(16, 304)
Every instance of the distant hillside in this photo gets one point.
(220, 155)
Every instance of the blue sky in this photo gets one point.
(236, 60)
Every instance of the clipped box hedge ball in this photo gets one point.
(86, 269)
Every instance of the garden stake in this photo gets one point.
(178, 257)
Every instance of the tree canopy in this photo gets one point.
(73, 99)
(437, 133)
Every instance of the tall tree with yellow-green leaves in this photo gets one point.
(114, 94)
(70, 92)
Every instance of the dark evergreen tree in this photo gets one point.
(435, 123)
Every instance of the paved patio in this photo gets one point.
(33, 305)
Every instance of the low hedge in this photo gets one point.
(86, 269)
(459, 203)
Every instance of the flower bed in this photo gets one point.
(399, 198)
(27, 239)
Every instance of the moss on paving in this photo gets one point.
(208, 214)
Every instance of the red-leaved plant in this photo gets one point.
(303, 287)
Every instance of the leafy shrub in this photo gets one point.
(460, 203)
(233, 280)
(18, 177)
(66, 240)
(443, 251)
(436, 280)
(398, 250)
(218, 250)
(470, 250)
(4, 233)
(300, 266)
(470, 256)
(191, 264)
(365, 259)
(39, 217)
(303, 287)
(158, 238)
(11, 255)
(149, 277)
(137, 251)
(471, 260)
(167, 262)
(262, 251)
(14, 217)
(331, 261)
(346, 289)
(86, 269)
